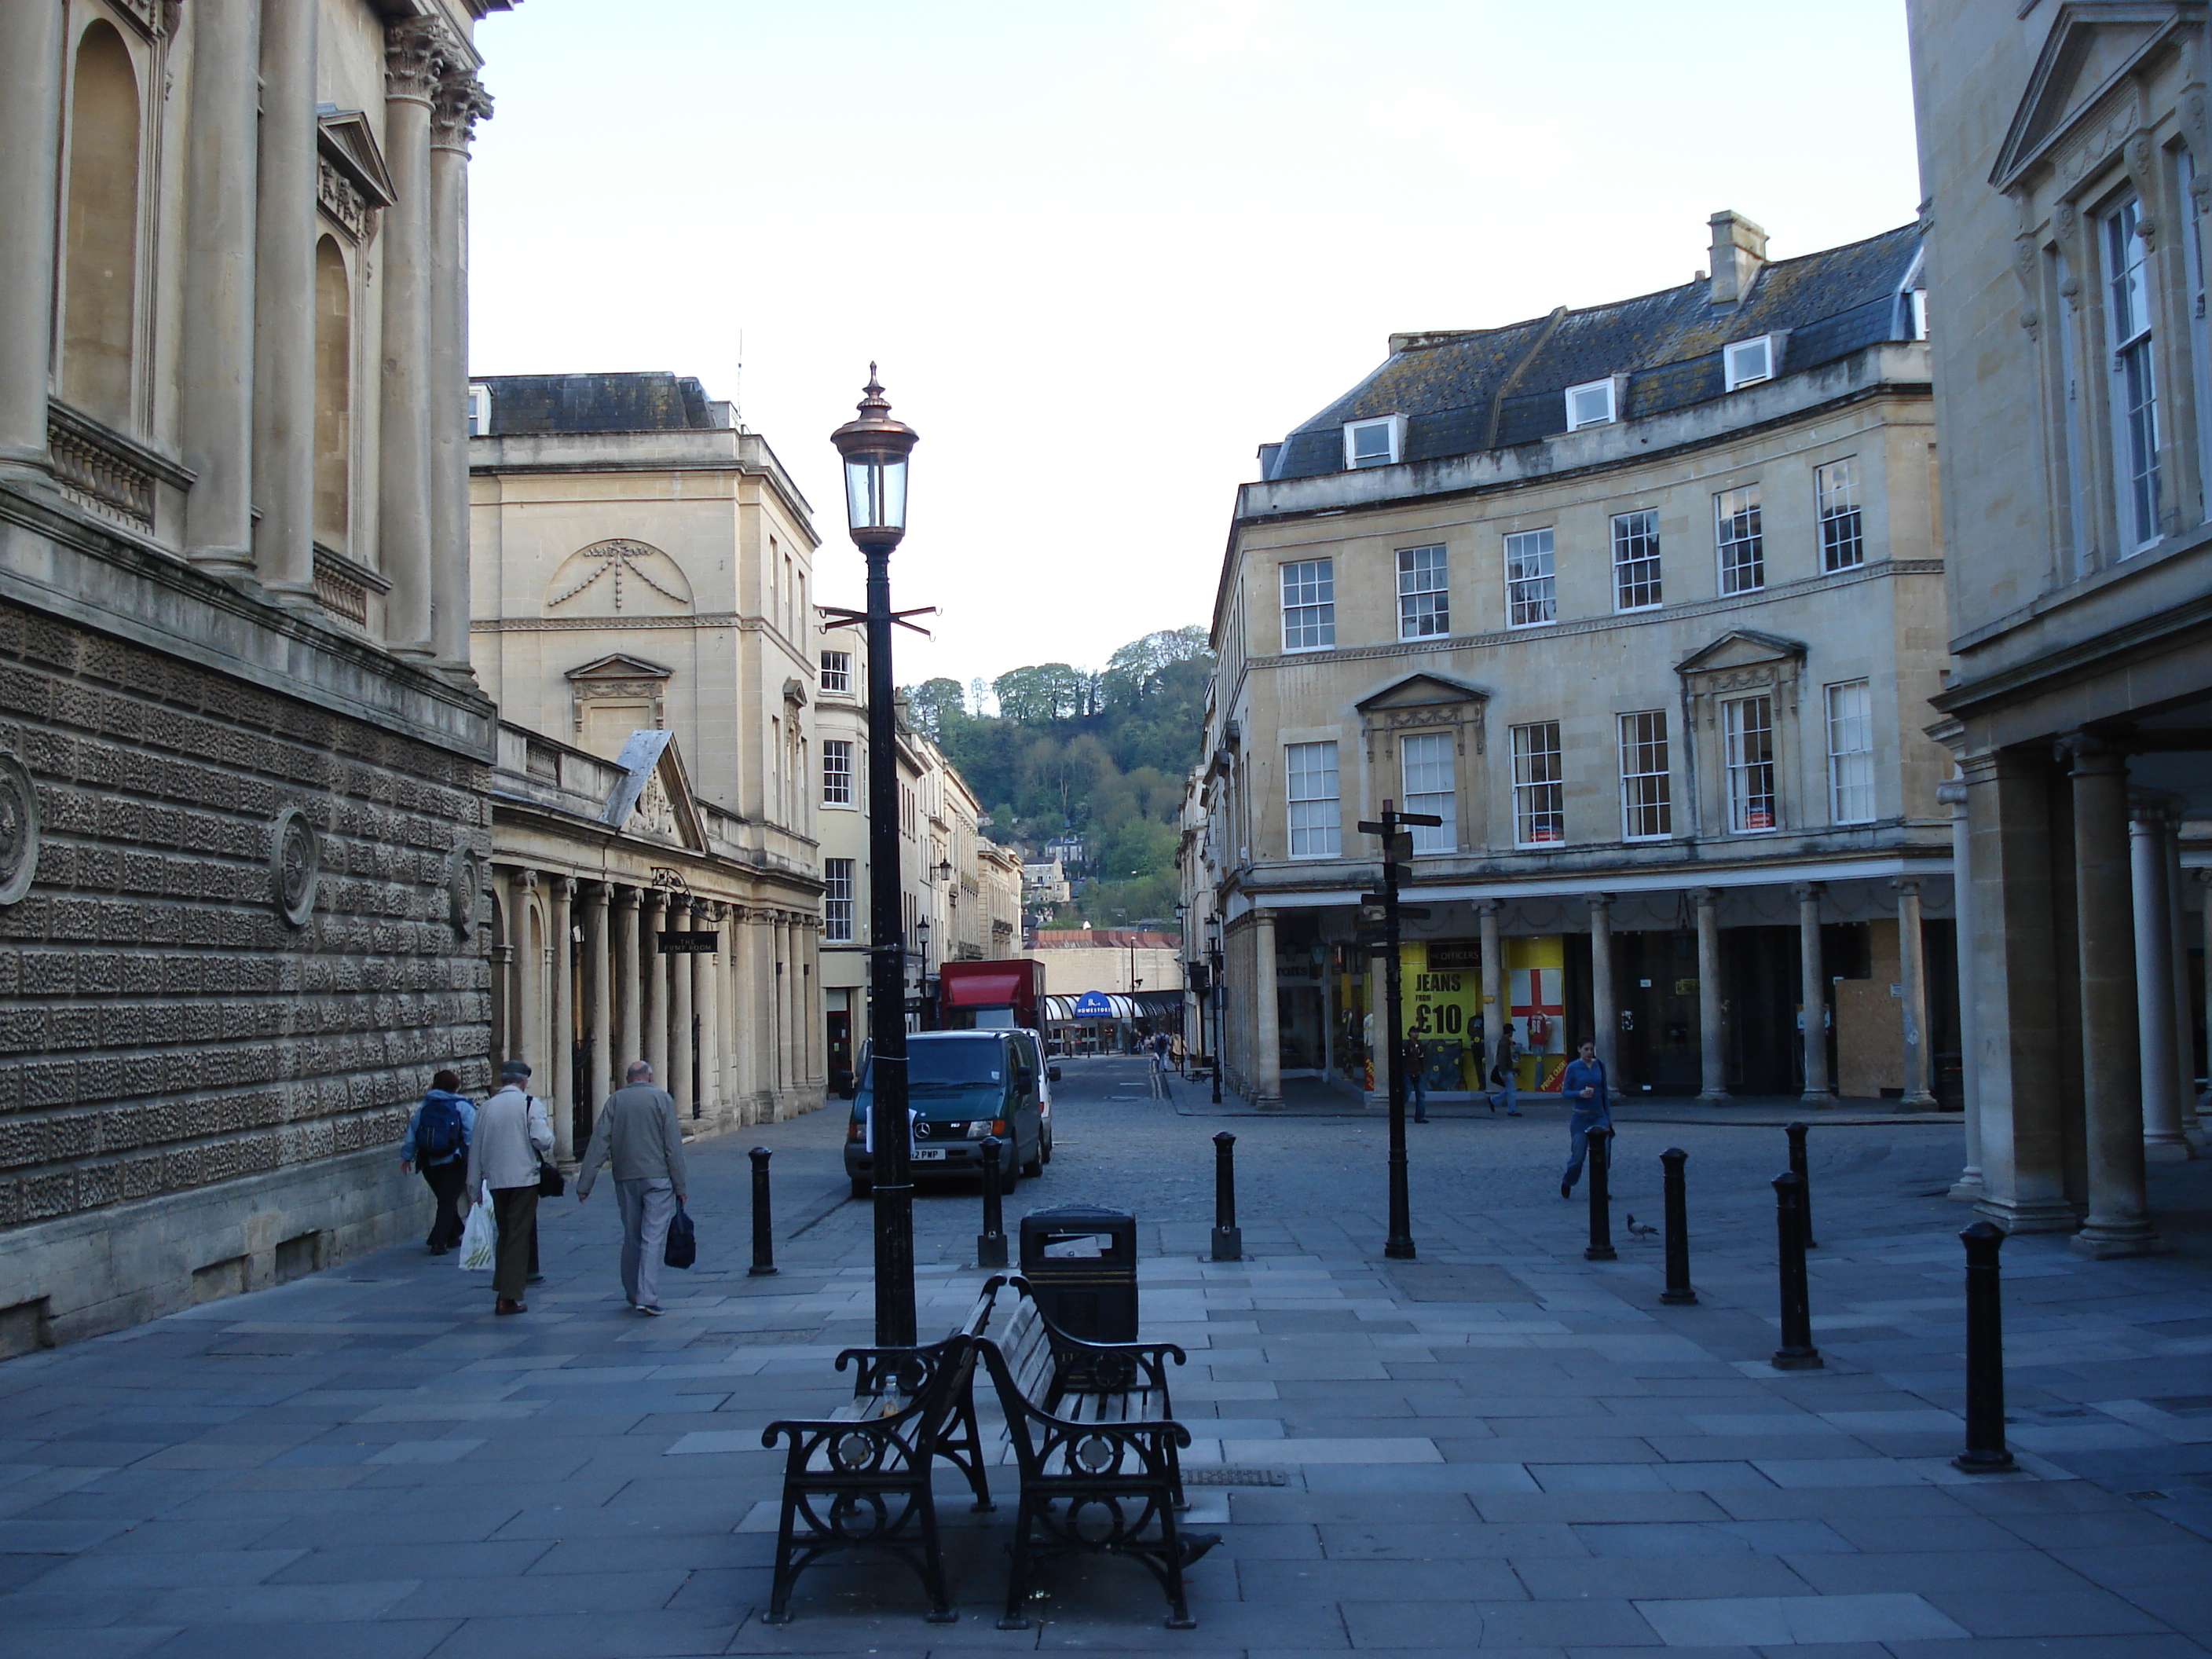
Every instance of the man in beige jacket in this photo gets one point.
(511, 1139)
(638, 1132)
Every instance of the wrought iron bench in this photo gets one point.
(860, 1478)
(1098, 1453)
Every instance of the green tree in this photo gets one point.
(934, 706)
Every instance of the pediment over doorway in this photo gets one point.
(653, 797)
(2094, 48)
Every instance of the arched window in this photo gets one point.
(333, 393)
(101, 277)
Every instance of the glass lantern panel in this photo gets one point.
(875, 491)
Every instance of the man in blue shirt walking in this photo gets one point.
(1584, 1086)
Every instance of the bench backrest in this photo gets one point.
(1027, 1347)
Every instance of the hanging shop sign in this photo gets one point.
(678, 942)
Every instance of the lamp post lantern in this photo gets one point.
(874, 448)
(1214, 957)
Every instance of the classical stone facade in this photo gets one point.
(243, 767)
(2066, 151)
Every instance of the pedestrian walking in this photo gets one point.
(1410, 1063)
(437, 1140)
(511, 1140)
(1585, 1087)
(1159, 1047)
(640, 1136)
(1505, 1072)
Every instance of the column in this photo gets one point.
(682, 1072)
(1912, 958)
(1605, 1022)
(2205, 1100)
(1711, 1067)
(216, 378)
(561, 1087)
(2185, 1036)
(2008, 805)
(2118, 1223)
(2147, 864)
(1266, 1033)
(460, 102)
(1812, 993)
(414, 61)
(528, 1041)
(784, 1001)
(503, 966)
(1495, 1011)
(1968, 1186)
(737, 1034)
(628, 993)
(598, 995)
(30, 137)
(709, 999)
(653, 998)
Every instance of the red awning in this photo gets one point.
(992, 990)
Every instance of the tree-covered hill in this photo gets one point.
(1053, 750)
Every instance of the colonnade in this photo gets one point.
(582, 987)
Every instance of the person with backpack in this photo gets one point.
(437, 1138)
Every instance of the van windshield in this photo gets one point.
(938, 1069)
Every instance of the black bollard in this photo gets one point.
(1600, 1247)
(1797, 1167)
(1228, 1237)
(991, 1242)
(1678, 1292)
(1796, 1352)
(1985, 1452)
(763, 1233)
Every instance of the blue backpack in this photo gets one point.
(438, 1133)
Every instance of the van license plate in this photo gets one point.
(929, 1154)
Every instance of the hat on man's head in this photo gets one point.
(513, 1068)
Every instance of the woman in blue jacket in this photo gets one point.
(440, 1146)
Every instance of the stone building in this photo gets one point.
(1642, 601)
(243, 763)
(2067, 158)
(642, 566)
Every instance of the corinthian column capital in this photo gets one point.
(457, 104)
(416, 50)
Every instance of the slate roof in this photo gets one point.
(1668, 343)
(650, 402)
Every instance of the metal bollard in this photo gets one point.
(763, 1232)
(1678, 1292)
(1985, 1452)
(1600, 1247)
(1228, 1237)
(1797, 1167)
(991, 1242)
(1796, 1352)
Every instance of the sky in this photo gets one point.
(1103, 252)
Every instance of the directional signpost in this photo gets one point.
(1397, 847)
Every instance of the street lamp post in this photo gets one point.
(921, 976)
(875, 447)
(1214, 955)
(1397, 847)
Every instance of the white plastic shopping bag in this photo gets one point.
(480, 1236)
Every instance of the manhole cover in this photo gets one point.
(1222, 1475)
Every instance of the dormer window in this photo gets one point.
(1374, 443)
(1748, 362)
(479, 409)
(1590, 404)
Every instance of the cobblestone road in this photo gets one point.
(1505, 1448)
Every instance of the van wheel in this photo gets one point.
(863, 1187)
(1034, 1167)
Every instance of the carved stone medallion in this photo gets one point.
(464, 886)
(295, 860)
(19, 830)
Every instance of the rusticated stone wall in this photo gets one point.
(252, 930)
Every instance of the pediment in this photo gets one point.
(1741, 647)
(620, 666)
(653, 797)
(348, 141)
(2092, 47)
(1419, 690)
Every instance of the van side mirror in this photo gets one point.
(1052, 1074)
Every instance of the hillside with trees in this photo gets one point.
(1053, 750)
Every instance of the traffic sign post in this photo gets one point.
(1394, 830)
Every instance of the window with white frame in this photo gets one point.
(1589, 405)
(2200, 333)
(2134, 380)
(1424, 609)
(1426, 766)
(1836, 498)
(836, 772)
(1746, 362)
(1309, 605)
(1748, 753)
(1647, 793)
(1851, 752)
(1736, 537)
(1540, 816)
(1373, 443)
(837, 900)
(836, 670)
(1309, 770)
(1636, 560)
(479, 409)
(1529, 598)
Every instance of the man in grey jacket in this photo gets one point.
(511, 1139)
(638, 1133)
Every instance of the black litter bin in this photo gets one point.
(1081, 1264)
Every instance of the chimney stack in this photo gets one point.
(1739, 251)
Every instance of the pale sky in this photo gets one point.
(1104, 250)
